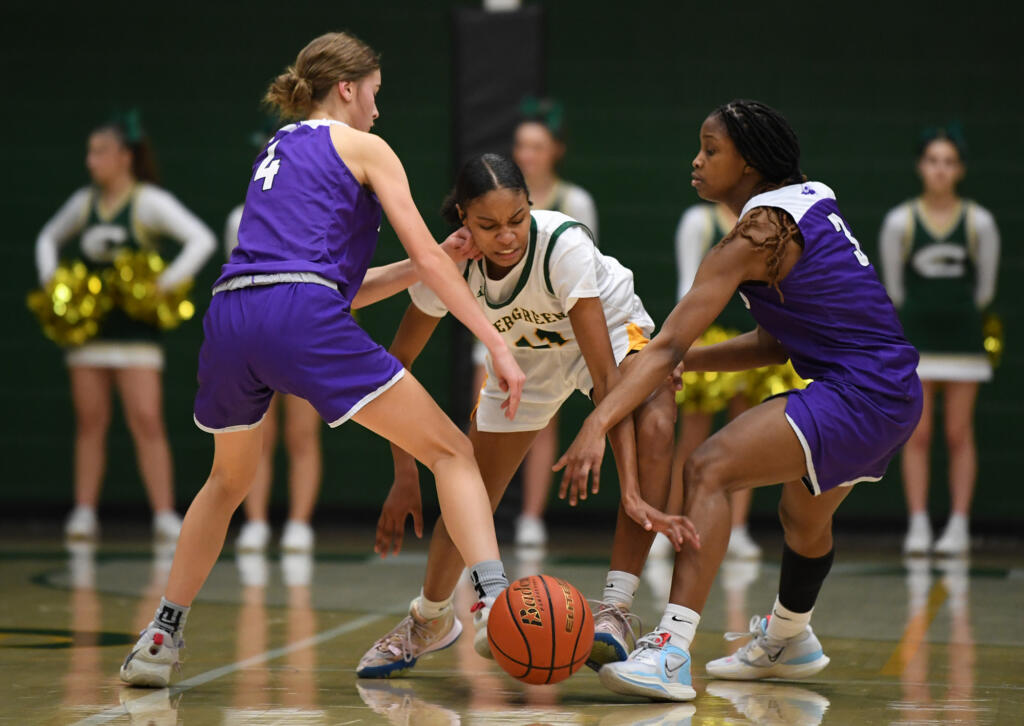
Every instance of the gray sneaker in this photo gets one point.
(764, 657)
(615, 633)
(413, 637)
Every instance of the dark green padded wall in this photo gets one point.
(857, 85)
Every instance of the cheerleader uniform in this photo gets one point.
(148, 217)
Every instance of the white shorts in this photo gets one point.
(541, 400)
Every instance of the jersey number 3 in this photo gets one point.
(269, 168)
(840, 226)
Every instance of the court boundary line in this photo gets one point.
(118, 711)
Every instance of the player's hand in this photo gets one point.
(581, 460)
(459, 246)
(679, 530)
(403, 500)
(675, 378)
(510, 379)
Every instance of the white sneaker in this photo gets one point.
(166, 526)
(919, 536)
(82, 524)
(955, 540)
(741, 546)
(530, 531)
(662, 546)
(253, 536)
(297, 537)
(481, 612)
(153, 658)
(764, 657)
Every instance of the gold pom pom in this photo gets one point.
(995, 339)
(134, 278)
(71, 305)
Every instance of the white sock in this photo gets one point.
(430, 609)
(784, 623)
(621, 588)
(681, 624)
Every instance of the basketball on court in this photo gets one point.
(540, 629)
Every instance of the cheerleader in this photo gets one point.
(940, 260)
(122, 209)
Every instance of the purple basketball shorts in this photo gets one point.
(848, 435)
(294, 338)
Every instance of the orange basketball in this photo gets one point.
(540, 629)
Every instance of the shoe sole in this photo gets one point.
(606, 649)
(779, 670)
(393, 669)
(646, 687)
(148, 675)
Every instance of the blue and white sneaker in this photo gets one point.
(656, 669)
(763, 657)
(615, 633)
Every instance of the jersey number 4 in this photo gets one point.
(269, 168)
(840, 226)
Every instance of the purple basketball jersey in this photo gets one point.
(305, 212)
(833, 317)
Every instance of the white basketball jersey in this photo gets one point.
(561, 265)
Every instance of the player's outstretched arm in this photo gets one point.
(726, 265)
(387, 280)
(404, 500)
(387, 178)
(752, 349)
(590, 327)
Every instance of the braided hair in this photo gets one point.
(768, 143)
(764, 139)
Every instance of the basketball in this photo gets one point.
(540, 629)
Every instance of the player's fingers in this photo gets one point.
(596, 484)
(396, 540)
(381, 543)
(417, 522)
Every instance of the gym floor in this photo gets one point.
(275, 640)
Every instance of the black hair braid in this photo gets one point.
(479, 175)
(764, 139)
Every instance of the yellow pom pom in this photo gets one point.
(138, 294)
(70, 306)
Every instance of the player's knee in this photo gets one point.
(703, 471)
(230, 486)
(803, 533)
(657, 432)
(456, 447)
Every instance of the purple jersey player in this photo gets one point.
(817, 302)
(280, 320)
